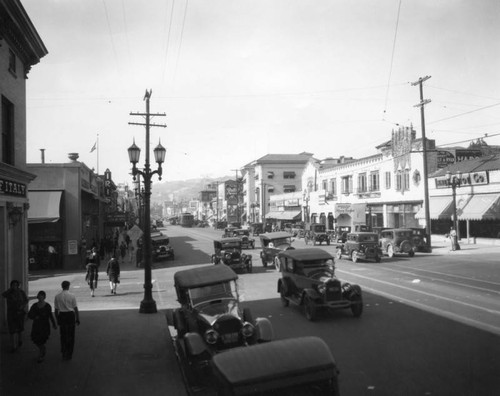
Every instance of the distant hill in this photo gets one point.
(182, 190)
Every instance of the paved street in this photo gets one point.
(401, 345)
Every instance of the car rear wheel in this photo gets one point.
(354, 256)
(247, 315)
(310, 309)
(284, 300)
(356, 306)
(390, 251)
(338, 254)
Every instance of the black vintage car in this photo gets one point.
(317, 234)
(161, 248)
(256, 228)
(308, 279)
(228, 251)
(211, 319)
(420, 240)
(396, 241)
(273, 243)
(247, 242)
(360, 246)
(293, 366)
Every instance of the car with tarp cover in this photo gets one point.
(308, 279)
(211, 318)
(301, 366)
(228, 251)
(273, 243)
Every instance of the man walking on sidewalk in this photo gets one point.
(66, 315)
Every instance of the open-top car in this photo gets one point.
(317, 234)
(396, 241)
(228, 251)
(293, 366)
(211, 319)
(273, 243)
(360, 246)
(161, 248)
(308, 279)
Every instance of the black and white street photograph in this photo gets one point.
(249, 197)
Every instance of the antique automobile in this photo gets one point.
(420, 240)
(397, 240)
(247, 242)
(211, 319)
(228, 232)
(308, 279)
(257, 228)
(360, 246)
(293, 366)
(228, 252)
(341, 233)
(161, 249)
(273, 243)
(317, 234)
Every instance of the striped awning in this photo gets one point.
(482, 207)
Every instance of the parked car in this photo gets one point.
(228, 251)
(360, 246)
(308, 279)
(161, 248)
(256, 228)
(273, 243)
(317, 234)
(397, 240)
(211, 319)
(420, 240)
(267, 369)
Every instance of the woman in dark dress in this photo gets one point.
(92, 275)
(17, 305)
(113, 272)
(41, 314)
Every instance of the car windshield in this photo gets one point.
(368, 238)
(218, 291)
(309, 267)
(230, 245)
(403, 234)
(319, 228)
(281, 241)
(241, 233)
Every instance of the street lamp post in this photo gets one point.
(454, 181)
(148, 305)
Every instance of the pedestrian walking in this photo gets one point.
(92, 276)
(17, 305)
(123, 250)
(41, 314)
(67, 317)
(454, 239)
(113, 271)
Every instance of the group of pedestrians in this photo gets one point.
(66, 317)
(92, 275)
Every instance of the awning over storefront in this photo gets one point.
(44, 206)
(439, 207)
(482, 207)
(284, 215)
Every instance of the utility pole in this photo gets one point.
(424, 145)
(148, 304)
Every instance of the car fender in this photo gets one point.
(263, 330)
(195, 345)
(311, 293)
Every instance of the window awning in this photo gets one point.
(481, 207)
(442, 207)
(284, 215)
(44, 206)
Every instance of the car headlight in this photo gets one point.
(211, 336)
(247, 330)
(322, 288)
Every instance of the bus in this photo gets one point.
(187, 220)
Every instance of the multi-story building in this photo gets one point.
(382, 190)
(270, 175)
(20, 48)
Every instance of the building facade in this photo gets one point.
(20, 48)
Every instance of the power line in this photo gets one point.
(392, 58)
(180, 41)
(165, 59)
(462, 114)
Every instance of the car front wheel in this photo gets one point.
(284, 300)
(310, 309)
(338, 254)
(390, 251)
(357, 306)
(277, 264)
(354, 256)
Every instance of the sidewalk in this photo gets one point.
(117, 352)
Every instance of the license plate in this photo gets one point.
(229, 338)
(333, 289)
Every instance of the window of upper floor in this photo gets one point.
(289, 189)
(374, 181)
(288, 175)
(333, 187)
(362, 183)
(403, 180)
(325, 185)
(12, 63)
(346, 185)
(270, 175)
(388, 178)
(7, 139)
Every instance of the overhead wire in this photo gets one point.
(180, 41)
(111, 35)
(167, 46)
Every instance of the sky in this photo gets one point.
(239, 79)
